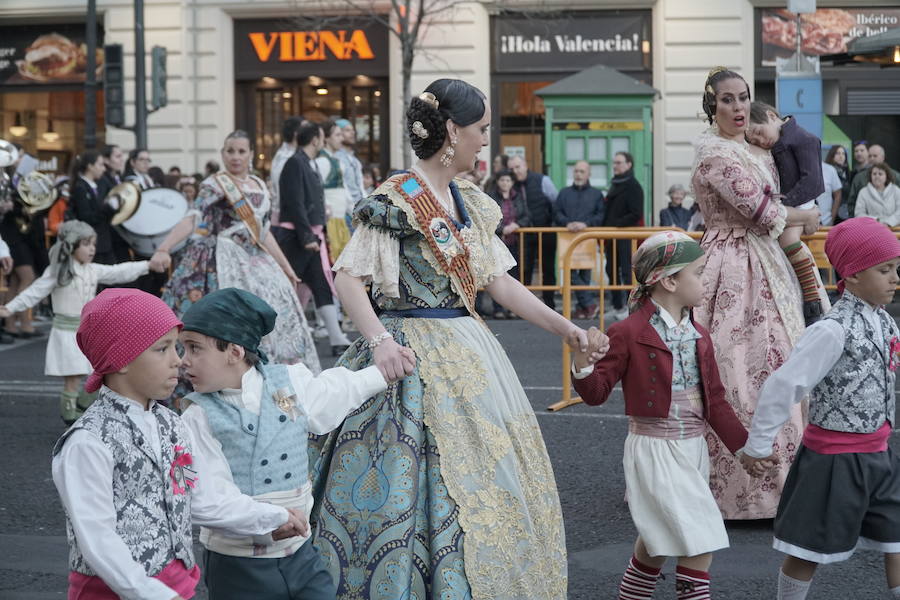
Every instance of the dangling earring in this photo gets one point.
(449, 153)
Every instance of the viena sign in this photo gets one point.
(274, 48)
(618, 39)
(311, 45)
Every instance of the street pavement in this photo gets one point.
(584, 443)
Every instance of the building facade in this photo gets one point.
(233, 63)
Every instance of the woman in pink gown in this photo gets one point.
(753, 307)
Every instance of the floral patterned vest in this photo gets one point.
(153, 506)
(857, 395)
(266, 452)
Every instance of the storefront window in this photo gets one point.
(48, 125)
(362, 106)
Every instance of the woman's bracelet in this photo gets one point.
(379, 339)
(161, 250)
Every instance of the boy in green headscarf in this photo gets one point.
(250, 421)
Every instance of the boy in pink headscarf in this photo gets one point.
(843, 489)
(125, 473)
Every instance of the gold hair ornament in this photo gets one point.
(430, 99)
(419, 129)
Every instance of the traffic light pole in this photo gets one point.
(140, 77)
(90, 79)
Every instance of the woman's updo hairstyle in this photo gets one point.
(426, 117)
(716, 76)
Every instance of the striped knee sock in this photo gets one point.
(638, 582)
(804, 265)
(691, 584)
(792, 589)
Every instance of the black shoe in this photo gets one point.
(27, 335)
(339, 349)
(6, 338)
(812, 311)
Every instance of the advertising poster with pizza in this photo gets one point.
(827, 31)
(41, 54)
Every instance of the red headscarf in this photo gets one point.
(117, 326)
(859, 243)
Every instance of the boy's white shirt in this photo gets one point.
(815, 354)
(83, 474)
(325, 400)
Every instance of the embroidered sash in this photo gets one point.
(240, 204)
(442, 235)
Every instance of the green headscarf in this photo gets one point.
(660, 255)
(233, 315)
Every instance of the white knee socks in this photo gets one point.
(790, 588)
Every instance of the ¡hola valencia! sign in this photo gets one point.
(280, 48)
(290, 46)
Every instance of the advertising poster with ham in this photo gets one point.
(827, 31)
(42, 54)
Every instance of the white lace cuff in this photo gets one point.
(777, 227)
(372, 256)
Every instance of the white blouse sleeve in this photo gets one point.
(327, 398)
(34, 293)
(120, 273)
(374, 257)
(503, 259)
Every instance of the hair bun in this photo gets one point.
(423, 116)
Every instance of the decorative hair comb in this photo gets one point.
(419, 129)
(430, 99)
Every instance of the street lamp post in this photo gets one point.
(140, 79)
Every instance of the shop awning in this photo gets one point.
(599, 80)
(883, 48)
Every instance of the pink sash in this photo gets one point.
(175, 575)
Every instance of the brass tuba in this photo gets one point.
(36, 192)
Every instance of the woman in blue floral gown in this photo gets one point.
(441, 486)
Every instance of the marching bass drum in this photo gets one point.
(158, 212)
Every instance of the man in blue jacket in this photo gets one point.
(578, 207)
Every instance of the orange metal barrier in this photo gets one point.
(635, 235)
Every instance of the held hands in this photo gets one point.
(598, 346)
(576, 226)
(6, 264)
(756, 467)
(812, 221)
(160, 261)
(313, 246)
(394, 361)
(297, 524)
(4, 312)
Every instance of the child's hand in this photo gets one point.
(597, 347)
(756, 467)
(4, 312)
(6, 264)
(297, 524)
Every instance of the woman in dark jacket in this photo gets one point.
(86, 205)
(515, 215)
(837, 158)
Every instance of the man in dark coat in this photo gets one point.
(624, 208)
(540, 195)
(578, 207)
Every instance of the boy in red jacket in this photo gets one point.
(672, 391)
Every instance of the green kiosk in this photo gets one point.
(590, 116)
